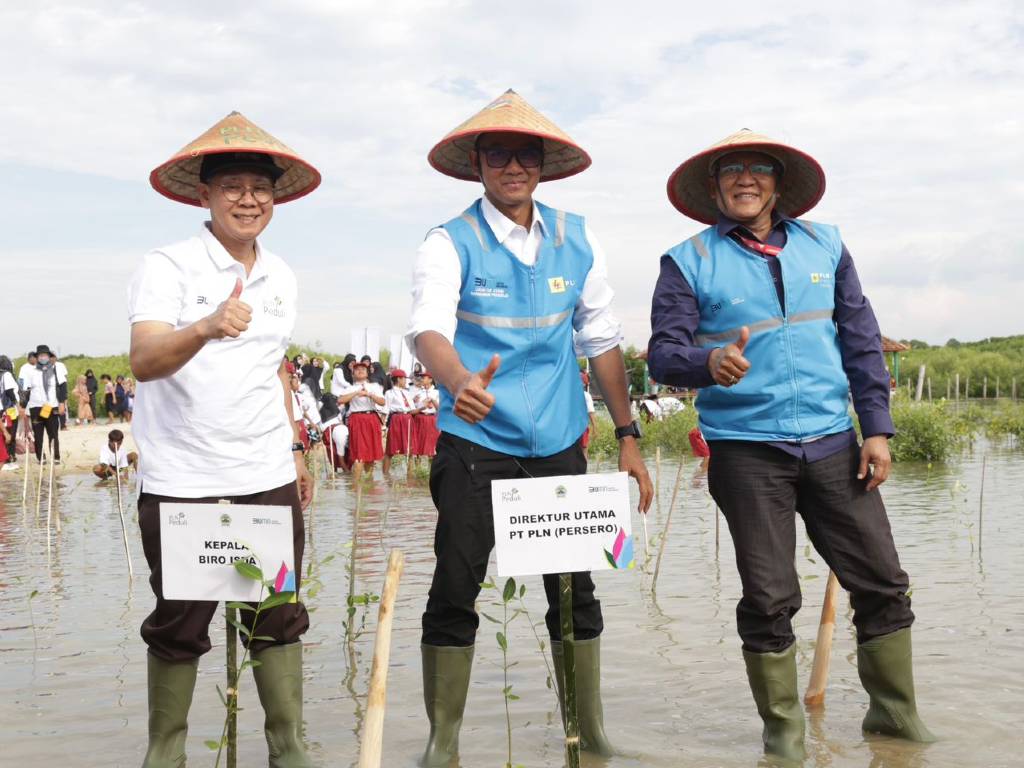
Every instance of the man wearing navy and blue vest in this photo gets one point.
(763, 312)
(503, 296)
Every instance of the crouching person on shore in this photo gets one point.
(214, 314)
(113, 456)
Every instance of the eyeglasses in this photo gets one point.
(499, 157)
(732, 170)
(262, 193)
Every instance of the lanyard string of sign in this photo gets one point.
(757, 245)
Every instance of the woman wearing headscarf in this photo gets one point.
(81, 393)
(45, 396)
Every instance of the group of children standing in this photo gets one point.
(361, 422)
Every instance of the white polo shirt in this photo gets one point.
(38, 395)
(107, 456)
(363, 403)
(217, 426)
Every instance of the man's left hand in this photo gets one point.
(632, 462)
(303, 480)
(875, 452)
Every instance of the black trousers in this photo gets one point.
(460, 483)
(179, 630)
(760, 489)
(12, 444)
(51, 424)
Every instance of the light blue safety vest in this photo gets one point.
(525, 315)
(796, 387)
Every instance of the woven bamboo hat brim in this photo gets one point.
(802, 184)
(179, 176)
(509, 112)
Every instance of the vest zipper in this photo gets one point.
(787, 331)
(526, 359)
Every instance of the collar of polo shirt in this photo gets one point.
(224, 260)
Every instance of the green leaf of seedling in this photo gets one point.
(548, 682)
(223, 700)
(240, 606)
(212, 745)
(506, 689)
(326, 560)
(33, 593)
(610, 558)
(522, 590)
(489, 584)
(249, 570)
(502, 642)
(239, 626)
(374, 598)
(489, 618)
(509, 591)
(276, 599)
(265, 639)
(513, 697)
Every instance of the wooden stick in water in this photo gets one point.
(815, 695)
(572, 723)
(668, 521)
(49, 496)
(230, 615)
(120, 514)
(981, 501)
(373, 724)
(28, 460)
(39, 484)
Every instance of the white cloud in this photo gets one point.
(913, 109)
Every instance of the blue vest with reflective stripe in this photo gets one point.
(796, 387)
(525, 315)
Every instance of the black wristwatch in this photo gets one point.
(296, 447)
(630, 430)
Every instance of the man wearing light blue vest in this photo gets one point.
(763, 312)
(503, 295)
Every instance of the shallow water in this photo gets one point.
(73, 690)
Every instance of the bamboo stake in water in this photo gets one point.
(120, 514)
(49, 495)
(981, 501)
(39, 484)
(815, 695)
(28, 462)
(668, 521)
(230, 616)
(572, 724)
(373, 724)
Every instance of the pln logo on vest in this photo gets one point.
(556, 284)
(821, 278)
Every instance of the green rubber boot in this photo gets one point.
(589, 711)
(772, 679)
(886, 671)
(279, 685)
(170, 695)
(446, 672)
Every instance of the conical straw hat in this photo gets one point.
(509, 112)
(179, 176)
(801, 187)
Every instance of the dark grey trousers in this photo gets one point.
(760, 489)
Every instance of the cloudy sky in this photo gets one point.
(916, 111)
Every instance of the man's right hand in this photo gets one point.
(727, 364)
(472, 400)
(231, 318)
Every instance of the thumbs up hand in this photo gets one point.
(230, 319)
(727, 364)
(472, 400)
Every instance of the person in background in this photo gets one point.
(108, 397)
(591, 431)
(424, 423)
(339, 382)
(26, 368)
(366, 441)
(10, 395)
(92, 385)
(43, 393)
(114, 456)
(129, 398)
(401, 410)
(346, 367)
(83, 415)
(335, 432)
(62, 373)
(120, 398)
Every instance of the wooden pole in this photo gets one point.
(28, 458)
(120, 514)
(668, 521)
(1014, 388)
(967, 388)
(230, 615)
(657, 480)
(984, 388)
(981, 501)
(958, 390)
(929, 389)
(572, 724)
(947, 389)
(49, 495)
(997, 387)
(39, 484)
(920, 384)
(373, 723)
(815, 695)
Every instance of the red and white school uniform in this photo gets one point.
(424, 424)
(365, 438)
(399, 403)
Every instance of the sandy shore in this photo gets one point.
(80, 448)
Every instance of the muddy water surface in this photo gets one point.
(72, 666)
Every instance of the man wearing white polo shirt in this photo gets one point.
(214, 315)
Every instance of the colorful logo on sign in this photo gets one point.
(285, 581)
(621, 556)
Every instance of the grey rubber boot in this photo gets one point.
(170, 695)
(772, 678)
(279, 685)
(886, 671)
(446, 671)
(589, 710)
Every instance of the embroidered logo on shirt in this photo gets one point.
(274, 307)
(821, 277)
(556, 284)
(497, 290)
(202, 300)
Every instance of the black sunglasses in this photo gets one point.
(499, 157)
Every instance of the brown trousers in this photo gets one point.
(179, 630)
